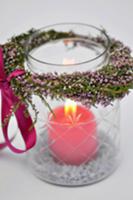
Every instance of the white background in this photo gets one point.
(16, 182)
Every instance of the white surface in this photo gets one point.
(16, 182)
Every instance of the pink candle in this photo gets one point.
(72, 134)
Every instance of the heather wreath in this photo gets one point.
(103, 86)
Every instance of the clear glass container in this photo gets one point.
(81, 148)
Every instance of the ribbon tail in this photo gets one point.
(4, 144)
(24, 122)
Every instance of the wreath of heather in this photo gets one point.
(103, 86)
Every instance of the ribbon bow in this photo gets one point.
(8, 101)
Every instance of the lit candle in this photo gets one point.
(72, 134)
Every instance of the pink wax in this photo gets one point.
(72, 139)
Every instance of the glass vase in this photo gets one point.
(73, 149)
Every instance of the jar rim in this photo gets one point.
(28, 53)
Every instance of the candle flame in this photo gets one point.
(68, 61)
(70, 107)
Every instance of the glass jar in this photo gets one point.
(77, 145)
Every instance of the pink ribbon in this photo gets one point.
(9, 100)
